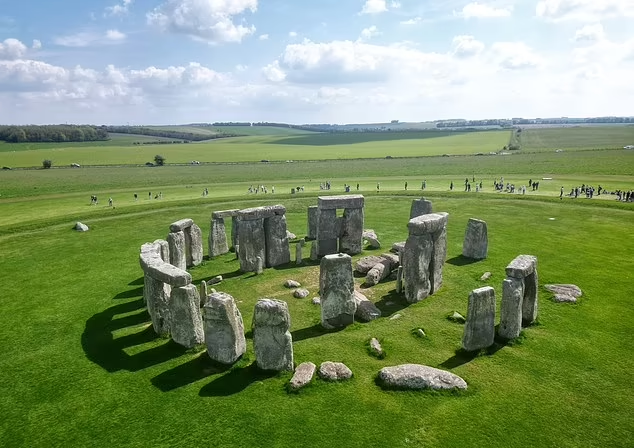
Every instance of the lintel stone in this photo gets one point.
(181, 225)
(521, 267)
(427, 224)
(343, 201)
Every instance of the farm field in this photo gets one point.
(241, 130)
(83, 367)
(577, 138)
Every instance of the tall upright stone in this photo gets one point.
(272, 340)
(479, 330)
(203, 293)
(351, 239)
(217, 238)
(530, 303)
(476, 242)
(157, 297)
(252, 244)
(177, 252)
(327, 232)
(195, 245)
(224, 329)
(511, 308)
(298, 252)
(420, 207)
(186, 323)
(340, 234)
(336, 284)
(277, 247)
(313, 221)
(439, 254)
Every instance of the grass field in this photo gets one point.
(240, 130)
(576, 138)
(80, 365)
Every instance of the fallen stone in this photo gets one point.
(303, 375)
(292, 284)
(363, 265)
(564, 298)
(316, 301)
(565, 289)
(215, 280)
(486, 276)
(81, 227)
(300, 293)
(290, 235)
(376, 349)
(334, 371)
(366, 310)
(372, 239)
(421, 333)
(456, 317)
(396, 316)
(398, 247)
(417, 377)
(379, 272)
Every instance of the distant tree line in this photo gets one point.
(52, 133)
(173, 134)
(160, 142)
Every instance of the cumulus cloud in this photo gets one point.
(369, 33)
(90, 38)
(589, 33)
(412, 21)
(263, 37)
(583, 10)
(481, 10)
(211, 21)
(273, 72)
(36, 44)
(515, 55)
(292, 34)
(374, 7)
(12, 49)
(118, 9)
(465, 46)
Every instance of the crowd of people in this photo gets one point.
(259, 189)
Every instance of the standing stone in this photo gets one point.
(511, 308)
(298, 254)
(165, 250)
(420, 207)
(479, 330)
(252, 244)
(373, 241)
(313, 220)
(277, 247)
(530, 304)
(157, 294)
(259, 265)
(195, 245)
(218, 238)
(476, 243)
(224, 329)
(234, 231)
(176, 241)
(327, 232)
(336, 285)
(399, 280)
(272, 342)
(439, 254)
(351, 240)
(313, 251)
(186, 324)
(203, 293)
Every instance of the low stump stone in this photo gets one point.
(565, 289)
(417, 377)
(334, 371)
(303, 375)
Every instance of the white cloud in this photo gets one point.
(589, 33)
(374, 7)
(292, 34)
(516, 56)
(12, 49)
(395, 5)
(273, 72)
(263, 37)
(369, 33)
(36, 44)
(89, 38)
(118, 9)
(211, 21)
(583, 10)
(465, 46)
(481, 11)
(412, 21)
(241, 68)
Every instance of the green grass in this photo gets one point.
(83, 369)
(240, 130)
(576, 138)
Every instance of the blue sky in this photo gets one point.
(343, 61)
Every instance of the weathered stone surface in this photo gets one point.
(373, 241)
(292, 284)
(303, 375)
(290, 235)
(298, 254)
(351, 236)
(164, 250)
(511, 308)
(393, 259)
(456, 317)
(181, 225)
(218, 238)
(427, 224)
(479, 331)
(316, 301)
(396, 316)
(277, 248)
(313, 221)
(375, 347)
(420, 207)
(485, 277)
(398, 247)
(81, 227)
(186, 324)
(363, 265)
(195, 254)
(399, 280)
(215, 280)
(334, 371)
(234, 232)
(564, 298)
(328, 231)
(259, 265)
(416, 376)
(272, 341)
(154, 266)
(224, 329)
(417, 256)
(565, 289)
(439, 255)
(366, 310)
(343, 201)
(521, 267)
(178, 256)
(256, 213)
(476, 241)
(222, 214)
(379, 272)
(252, 244)
(313, 251)
(421, 333)
(300, 293)
(336, 285)
(156, 294)
(203, 293)
(530, 304)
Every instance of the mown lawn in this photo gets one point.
(575, 138)
(79, 365)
